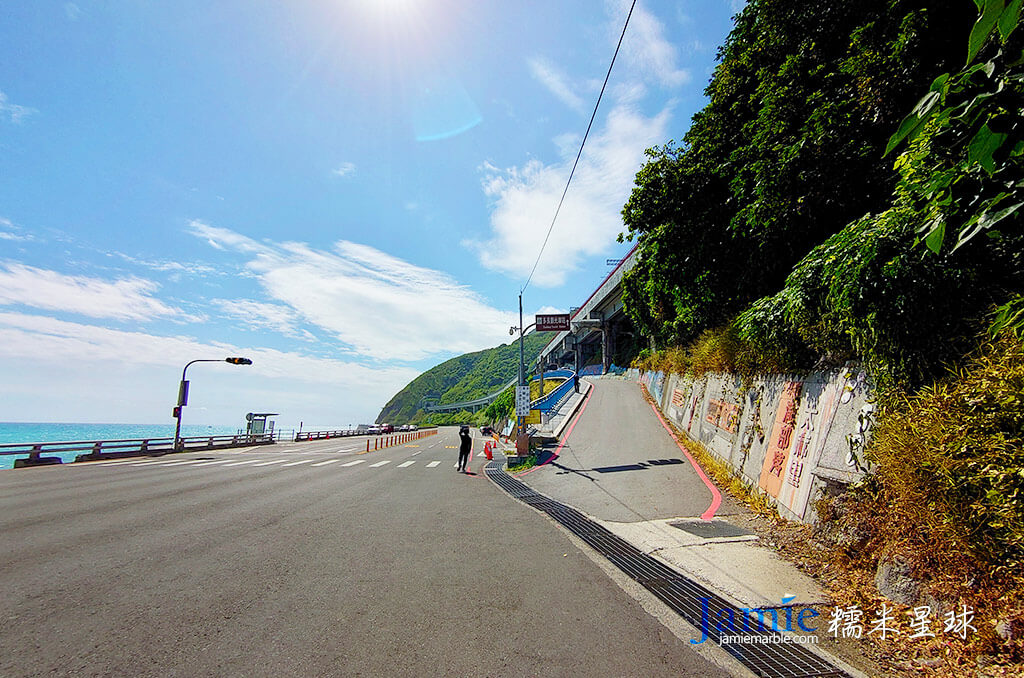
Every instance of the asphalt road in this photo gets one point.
(620, 464)
(305, 560)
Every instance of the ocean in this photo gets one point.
(28, 432)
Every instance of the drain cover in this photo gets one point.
(711, 529)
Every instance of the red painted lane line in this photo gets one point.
(561, 443)
(716, 496)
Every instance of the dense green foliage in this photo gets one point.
(782, 217)
(788, 150)
(466, 377)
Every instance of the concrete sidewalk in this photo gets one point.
(622, 469)
(560, 419)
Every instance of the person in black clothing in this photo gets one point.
(576, 382)
(465, 445)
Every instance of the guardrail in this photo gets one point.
(324, 435)
(392, 439)
(554, 399)
(92, 450)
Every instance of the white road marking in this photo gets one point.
(404, 464)
(211, 463)
(176, 463)
(353, 463)
(433, 464)
(296, 463)
(380, 463)
(325, 463)
(275, 461)
(239, 463)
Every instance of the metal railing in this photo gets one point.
(92, 450)
(325, 435)
(554, 399)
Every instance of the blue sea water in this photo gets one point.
(28, 432)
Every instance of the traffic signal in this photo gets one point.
(176, 413)
(238, 361)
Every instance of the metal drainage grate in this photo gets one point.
(770, 659)
(711, 529)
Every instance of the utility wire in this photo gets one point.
(582, 143)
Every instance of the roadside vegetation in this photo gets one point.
(465, 377)
(851, 192)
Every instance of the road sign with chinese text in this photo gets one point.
(558, 322)
(522, 400)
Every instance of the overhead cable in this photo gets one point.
(580, 153)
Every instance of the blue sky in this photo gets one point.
(347, 192)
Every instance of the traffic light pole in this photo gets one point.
(183, 393)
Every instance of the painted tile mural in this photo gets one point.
(788, 436)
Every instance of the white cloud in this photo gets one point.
(378, 305)
(14, 237)
(14, 112)
(190, 268)
(525, 199)
(124, 299)
(645, 46)
(72, 11)
(138, 375)
(344, 169)
(556, 83)
(263, 316)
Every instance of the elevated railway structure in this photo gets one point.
(597, 327)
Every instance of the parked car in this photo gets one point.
(486, 430)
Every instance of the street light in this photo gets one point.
(183, 393)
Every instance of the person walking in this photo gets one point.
(576, 381)
(465, 445)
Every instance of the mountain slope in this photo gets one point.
(465, 377)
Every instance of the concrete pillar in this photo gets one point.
(606, 347)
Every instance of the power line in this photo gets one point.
(580, 153)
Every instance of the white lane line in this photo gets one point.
(296, 463)
(239, 463)
(176, 463)
(325, 463)
(353, 463)
(380, 463)
(211, 463)
(433, 464)
(268, 463)
(404, 464)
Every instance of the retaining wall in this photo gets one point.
(792, 436)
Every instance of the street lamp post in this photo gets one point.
(183, 392)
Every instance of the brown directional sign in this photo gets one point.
(558, 322)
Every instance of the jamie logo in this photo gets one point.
(725, 625)
(750, 625)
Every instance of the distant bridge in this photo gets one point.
(473, 405)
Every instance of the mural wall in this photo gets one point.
(791, 436)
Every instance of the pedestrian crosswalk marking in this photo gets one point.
(260, 461)
(325, 463)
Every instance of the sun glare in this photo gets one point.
(393, 7)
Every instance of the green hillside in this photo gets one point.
(466, 377)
